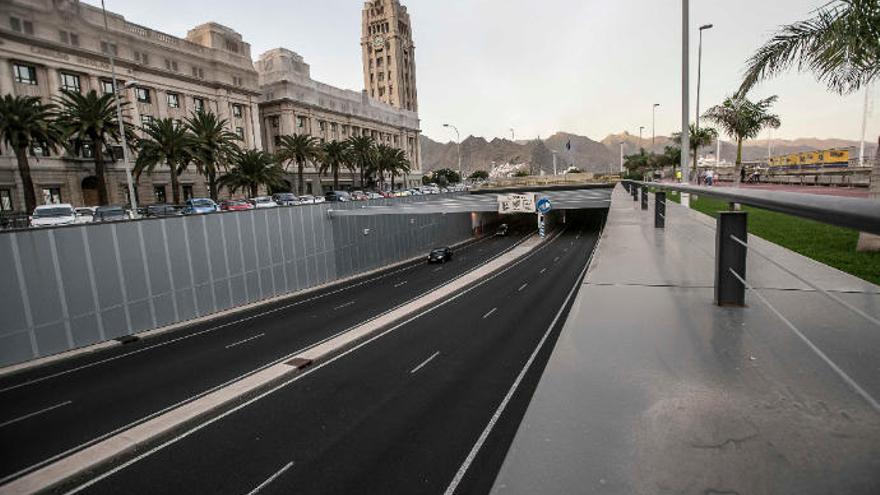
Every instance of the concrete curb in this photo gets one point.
(139, 436)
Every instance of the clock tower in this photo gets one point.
(389, 54)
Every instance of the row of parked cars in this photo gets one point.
(66, 214)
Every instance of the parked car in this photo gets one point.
(286, 199)
(440, 255)
(85, 214)
(198, 206)
(110, 213)
(308, 199)
(374, 195)
(162, 210)
(502, 230)
(263, 202)
(235, 205)
(359, 196)
(52, 215)
(337, 196)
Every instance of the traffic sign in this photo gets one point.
(544, 205)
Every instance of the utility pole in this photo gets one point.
(621, 156)
(554, 162)
(641, 128)
(685, 94)
(512, 135)
(654, 125)
(699, 70)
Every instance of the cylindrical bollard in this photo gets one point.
(730, 255)
(644, 197)
(659, 210)
(634, 189)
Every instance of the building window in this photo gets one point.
(236, 110)
(171, 64)
(322, 125)
(19, 26)
(70, 82)
(146, 120)
(381, 91)
(173, 100)
(51, 195)
(87, 151)
(187, 192)
(277, 140)
(15, 24)
(381, 76)
(107, 87)
(274, 121)
(198, 72)
(379, 61)
(108, 48)
(142, 95)
(142, 58)
(300, 122)
(199, 104)
(239, 131)
(159, 194)
(25, 74)
(6, 200)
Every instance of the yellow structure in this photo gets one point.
(811, 159)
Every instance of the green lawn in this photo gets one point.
(834, 246)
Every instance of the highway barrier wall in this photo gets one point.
(69, 287)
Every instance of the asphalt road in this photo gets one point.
(403, 412)
(48, 411)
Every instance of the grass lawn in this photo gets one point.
(834, 246)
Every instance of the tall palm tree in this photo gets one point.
(840, 45)
(698, 137)
(362, 154)
(165, 143)
(252, 169)
(334, 155)
(743, 119)
(299, 149)
(25, 122)
(212, 146)
(392, 161)
(90, 119)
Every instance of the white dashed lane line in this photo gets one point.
(521, 287)
(543, 270)
(245, 340)
(401, 284)
(426, 361)
(344, 305)
(490, 313)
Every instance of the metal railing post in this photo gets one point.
(644, 197)
(659, 210)
(730, 256)
(635, 192)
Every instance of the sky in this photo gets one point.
(588, 67)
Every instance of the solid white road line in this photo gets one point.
(521, 287)
(426, 361)
(437, 269)
(485, 434)
(490, 313)
(337, 308)
(271, 479)
(31, 415)
(245, 340)
(401, 284)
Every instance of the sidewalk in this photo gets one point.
(652, 389)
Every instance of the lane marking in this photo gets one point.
(490, 313)
(245, 340)
(31, 415)
(343, 305)
(556, 259)
(543, 270)
(426, 361)
(311, 370)
(435, 270)
(501, 407)
(523, 286)
(401, 284)
(271, 479)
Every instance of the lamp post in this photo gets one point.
(554, 162)
(654, 124)
(125, 159)
(621, 157)
(512, 134)
(699, 70)
(641, 128)
(864, 125)
(458, 141)
(685, 94)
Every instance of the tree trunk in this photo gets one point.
(254, 190)
(27, 182)
(175, 189)
(739, 159)
(694, 168)
(100, 173)
(871, 242)
(335, 178)
(299, 172)
(212, 184)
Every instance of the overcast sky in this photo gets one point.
(585, 66)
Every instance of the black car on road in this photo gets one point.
(502, 230)
(440, 255)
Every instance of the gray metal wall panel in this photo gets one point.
(71, 261)
(42, 287)
(12, 318)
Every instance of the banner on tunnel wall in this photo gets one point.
(516, 203)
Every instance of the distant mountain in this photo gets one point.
(506, 156)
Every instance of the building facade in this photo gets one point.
(389, 54)
(293, 103)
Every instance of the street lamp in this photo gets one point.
(621, 157)
(125, 159)
(699, 70)
(458, 140)
(685, 95)
(512, 135)
(653, 124)
(641, 128)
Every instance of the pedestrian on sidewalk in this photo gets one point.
(710, 177)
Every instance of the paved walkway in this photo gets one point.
(652, 389)
(849, 192)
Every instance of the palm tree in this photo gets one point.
(212, 146)
(698, 137)
(26, 122)
(840, 45)
(90, 119)
(299, 149)
(362, 155)
(165, 143)
(250, 170)
(392, 161)
(334, 155)
(743, 119)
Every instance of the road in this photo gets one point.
(432, 400)
(52, 410)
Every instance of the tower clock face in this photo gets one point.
(378, 42)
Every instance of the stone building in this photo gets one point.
(49, 45)
(389, 54)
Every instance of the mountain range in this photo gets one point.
(503, 155)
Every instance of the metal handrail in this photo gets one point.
(855, 213)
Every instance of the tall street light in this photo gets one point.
(641, 128)
(621, 157)
(654, 124)
(685, 94)
(699, 70)
(458, 141)
(512, 134)
(125, 159)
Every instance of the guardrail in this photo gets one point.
(731, 241)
